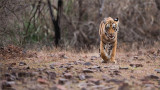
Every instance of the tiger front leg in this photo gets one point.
(103, 53)
(113, 54)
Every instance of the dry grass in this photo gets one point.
(138, 21)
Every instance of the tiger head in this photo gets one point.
(111, 27)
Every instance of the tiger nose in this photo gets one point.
(111, 35)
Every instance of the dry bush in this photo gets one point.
(11, 52)
(10, 11)
(24, 21)
(138, 21)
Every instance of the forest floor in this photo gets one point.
(68, 70)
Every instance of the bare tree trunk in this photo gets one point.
(80, 13)
(101, 6)
(56, 22)
(158, 4)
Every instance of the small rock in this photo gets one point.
(82, 85)
(58, 87)
(157, 70)
(116, 81)
(135, 57)
(93, 57)
(149, 87)
(152, 77)
(116, 72)
(125, 86)
(61, 66)
(88, 76)
(70, 63)
(68, 75)
(148, 62)
(105, 78)
(35, 73)
(85, 56)
(114, 67)
(62, 55)
(12, 64)
(158, 52)
(10, 77)
(22, 74)
(87, 64)
(82, 77)
(65, 57)
(52, 66)
(52, 55)
(123, 68)
(51, 75)
(68, 67)
(62, 81)
(87, 71)
(25, 68)
(141, 59)
(41, 69)
(10, 68)
(106, 66)
(42, 81)
(75, 81)
(5, 85)
(132, 77)
(136, 65)
(95, 67)
(90, 84)
(108, 88)
(101, 87)
(6, 75)
(95, 81)
(22, 63)
(79, 62)
(25, 74)
(83, 88)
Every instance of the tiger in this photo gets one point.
(108, 30)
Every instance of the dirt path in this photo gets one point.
(50, 70)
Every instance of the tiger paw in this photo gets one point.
(113, 61)
(104, 61)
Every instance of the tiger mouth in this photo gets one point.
(110, 36)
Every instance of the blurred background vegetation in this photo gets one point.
(29, 22)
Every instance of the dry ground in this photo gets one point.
(69, 70)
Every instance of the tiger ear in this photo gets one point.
(116, 19)
(104, 21)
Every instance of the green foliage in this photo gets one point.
(69, 6)
(35, 32)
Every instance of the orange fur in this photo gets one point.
(108, 37)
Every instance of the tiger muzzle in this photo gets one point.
(110, 36)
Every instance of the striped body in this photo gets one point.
(108, 39)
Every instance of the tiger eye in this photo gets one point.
(114, 27)
(107, 26)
